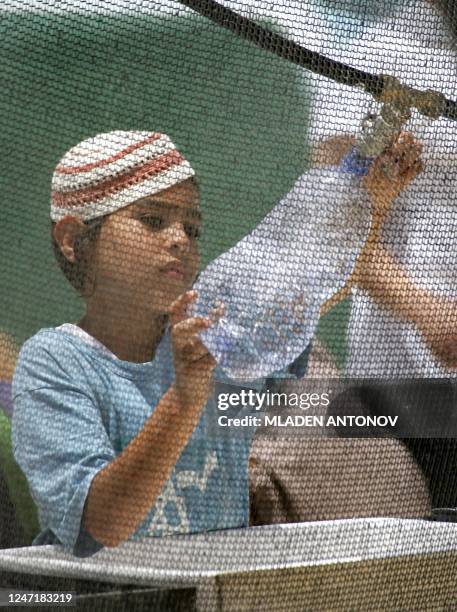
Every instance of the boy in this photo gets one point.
(111, 421)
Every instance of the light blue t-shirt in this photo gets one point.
(77, 406)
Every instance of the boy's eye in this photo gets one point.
(153, 221)
(193, 231)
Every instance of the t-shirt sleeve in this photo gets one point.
(59, 439)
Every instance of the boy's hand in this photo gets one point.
(193, 362)
(391, 172)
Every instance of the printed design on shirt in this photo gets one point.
(160, 521)
(191, 478)
(184, 479)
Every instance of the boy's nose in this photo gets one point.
(177, 237)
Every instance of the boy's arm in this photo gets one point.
(383, 277)
(122, 494)
(387, 282)
(387, 177)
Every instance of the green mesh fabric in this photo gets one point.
(109, 63)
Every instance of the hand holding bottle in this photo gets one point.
(392, 172)
(192, 361)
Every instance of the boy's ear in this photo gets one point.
(66, 232)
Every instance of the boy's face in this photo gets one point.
(147, 253)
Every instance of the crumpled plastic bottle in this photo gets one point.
(274, 281)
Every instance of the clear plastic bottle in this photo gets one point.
(274, 281)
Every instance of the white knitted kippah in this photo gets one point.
(109, 171)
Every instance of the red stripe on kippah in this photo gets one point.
(103, 162)
(111, 186)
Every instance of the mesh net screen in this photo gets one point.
(228, 318)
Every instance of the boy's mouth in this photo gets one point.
(174, 269)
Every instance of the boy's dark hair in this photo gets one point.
(76, 272)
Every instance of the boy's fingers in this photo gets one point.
(205, 361)
(217, 312)
(410, 173)
(191, 346)
(191, 326)
(178, 309)
(194, 350)
(415, 169)
(405, 138)
(400, 162)
(408, 157)
(191, 349)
